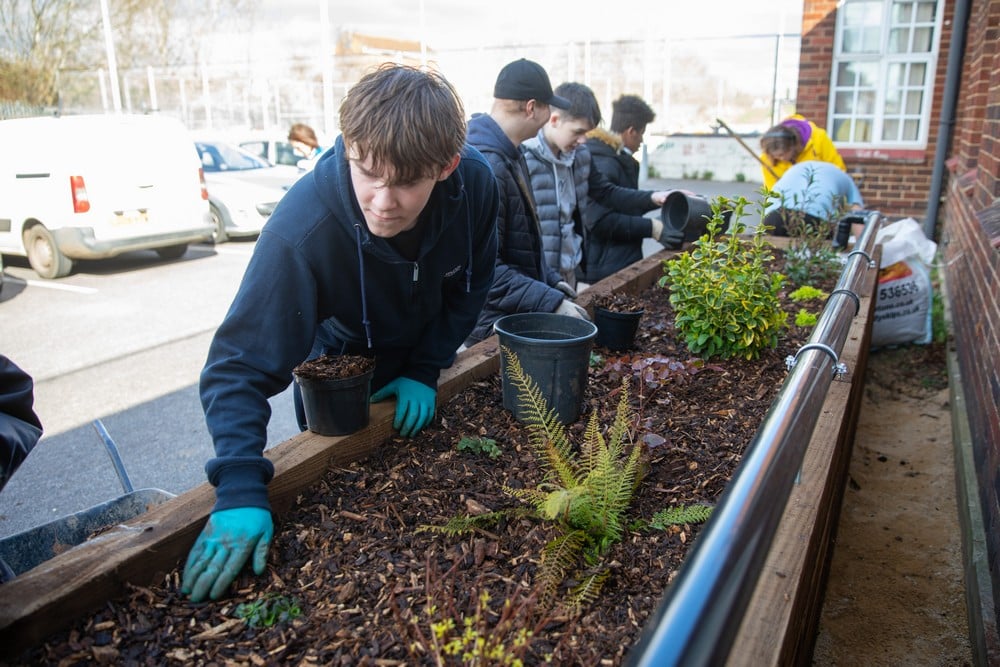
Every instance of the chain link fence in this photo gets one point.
(747, 80)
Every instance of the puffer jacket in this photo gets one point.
(613, 239)
(562, 237)
(522, 282)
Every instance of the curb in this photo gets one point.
(984, 637)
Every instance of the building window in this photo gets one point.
(883, 72)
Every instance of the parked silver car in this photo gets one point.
(243, 188)
(276, 151)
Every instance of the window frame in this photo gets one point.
(883, 61)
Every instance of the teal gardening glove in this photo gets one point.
(414, 404)
(223, 547)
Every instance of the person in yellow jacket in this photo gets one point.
(794, 140)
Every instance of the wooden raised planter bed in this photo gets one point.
(779, 626)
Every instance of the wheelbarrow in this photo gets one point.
(28, 549)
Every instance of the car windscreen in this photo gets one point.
(223, 157)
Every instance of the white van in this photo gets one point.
(91, 187)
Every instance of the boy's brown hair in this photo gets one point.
(411, 123)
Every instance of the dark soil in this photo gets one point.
(334, 367)
(619, 303)
(370, 583)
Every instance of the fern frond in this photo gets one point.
(559, 556)
(620, 431)
(545, 432)
(679, 515)
(586, 592)
(465, 523)
(593, 444)
(533, 496)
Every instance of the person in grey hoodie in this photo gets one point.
(386, 249)
(563, 182)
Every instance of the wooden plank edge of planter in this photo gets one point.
(782, 617)
(141, 551)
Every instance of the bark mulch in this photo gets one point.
(369, 584)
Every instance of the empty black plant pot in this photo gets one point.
(554, 350)
(336, 405)
(615, 329)
(689, 215)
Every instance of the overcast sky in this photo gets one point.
(461, 23)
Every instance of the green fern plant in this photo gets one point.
(586, 493)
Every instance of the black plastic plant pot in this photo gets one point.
(554, 350)
(616, 330)
(689, 215)
(336, 405)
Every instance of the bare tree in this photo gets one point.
(41, 38)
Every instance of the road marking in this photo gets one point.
(57, 286)
(234, 251)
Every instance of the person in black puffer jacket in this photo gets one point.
(522, 281)
(614, 239)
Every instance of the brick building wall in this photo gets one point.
(970, 244)
(969, 219)
(896, 183)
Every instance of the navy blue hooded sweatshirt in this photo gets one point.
(316, 265)
(524, 283)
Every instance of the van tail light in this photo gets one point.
(81, 204)
(204, 188)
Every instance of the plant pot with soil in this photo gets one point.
(617, 318)
(335, 391)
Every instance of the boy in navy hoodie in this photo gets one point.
(387, 248)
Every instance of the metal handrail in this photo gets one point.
(698, 618)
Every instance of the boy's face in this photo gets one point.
(564, 133)
(391, 209)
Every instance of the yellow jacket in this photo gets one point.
(818, 147)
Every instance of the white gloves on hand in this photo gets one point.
(564, 287)
(567, 307)
(657, 229)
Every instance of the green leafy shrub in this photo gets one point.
(810, 256)
(487, 446)
(725, 297)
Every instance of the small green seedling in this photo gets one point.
(486, 446)
(269, 610)
(804, 318)
(807, 293)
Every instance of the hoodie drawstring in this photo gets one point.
(468, 225)
(364, 294)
